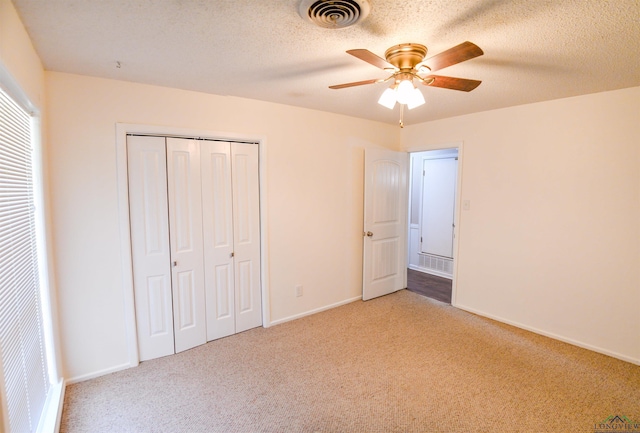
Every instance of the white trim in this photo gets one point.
(316, 310)
(122, 129)
(437, 146)
(407, 220)
(430, 272)
(52, 411)
(98, 373)
(63, 392)
(45, 259)
(552, 335)
(456, 231)
(264, 234)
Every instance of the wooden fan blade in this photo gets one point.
(453, 83)
(356, 83)
(459, 53)
(371, 58)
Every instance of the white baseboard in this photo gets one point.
(99, 373)
(552, 335)
(317, 310)
(431, 272)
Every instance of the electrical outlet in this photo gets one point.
(298, 291)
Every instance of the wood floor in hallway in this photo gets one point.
(428, 285)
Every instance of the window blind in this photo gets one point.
(25, 381)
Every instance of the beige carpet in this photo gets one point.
(400, 363)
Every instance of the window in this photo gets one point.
(25, 380)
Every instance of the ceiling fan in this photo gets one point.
(406, 62)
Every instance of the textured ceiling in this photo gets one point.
(535, 50)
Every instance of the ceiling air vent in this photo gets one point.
(334, 14)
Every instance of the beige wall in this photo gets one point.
(552, 239)
(18, 58)
(314, 195)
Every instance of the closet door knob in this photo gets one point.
(175, 264)
(369, 234)
(233, 254)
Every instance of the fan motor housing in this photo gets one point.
(334, 14)
(405, 56)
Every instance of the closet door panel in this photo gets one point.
(246, 230)
(224, 294)
(217, 213)
(185, 231)
(150, 245)
(187, 299)
(245, 285)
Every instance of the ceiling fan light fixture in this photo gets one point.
(388, 98)
(416, 99)
(404, 91)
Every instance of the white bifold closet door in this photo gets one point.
(194, 210)
(151, 255)
(230, 191)
(185, 238)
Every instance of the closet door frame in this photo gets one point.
(124, 129)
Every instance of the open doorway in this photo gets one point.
(432, 220)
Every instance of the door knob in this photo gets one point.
(175, 264)
(369, 234)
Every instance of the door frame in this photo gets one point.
(458, 201)
(122, 130)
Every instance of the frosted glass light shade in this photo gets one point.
(388, 98)
(416, 99)
(404, 91)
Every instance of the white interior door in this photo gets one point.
(150, 245)
(385, 194)
(246, 233)
(185, 232)
(438, 206)
(217, 215)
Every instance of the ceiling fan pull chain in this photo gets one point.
(401, 115)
